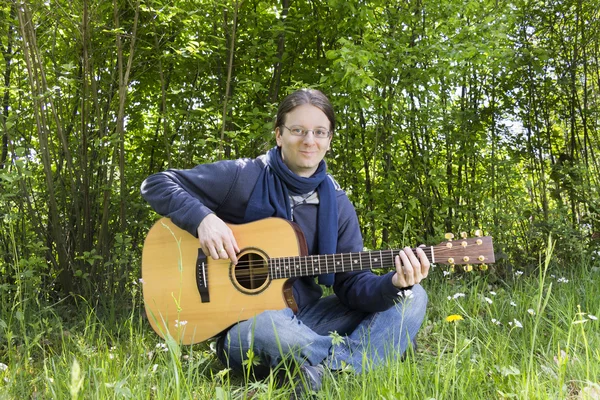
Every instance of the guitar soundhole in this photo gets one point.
(251, 272)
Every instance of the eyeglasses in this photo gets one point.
(319, 133)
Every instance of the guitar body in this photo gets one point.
(170, 269)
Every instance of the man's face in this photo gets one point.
(302, 154)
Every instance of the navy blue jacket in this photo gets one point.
(224, 187)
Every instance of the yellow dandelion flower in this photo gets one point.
(453, 317)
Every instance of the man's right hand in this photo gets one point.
(216, 239)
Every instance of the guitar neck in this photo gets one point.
(477, 250)
(290, 267)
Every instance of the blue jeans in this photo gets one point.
(367, 339)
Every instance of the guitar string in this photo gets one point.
(386, 257)
(366, 254)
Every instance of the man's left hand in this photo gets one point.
(410, 270)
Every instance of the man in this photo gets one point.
(377, 316)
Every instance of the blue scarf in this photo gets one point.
(270, 198)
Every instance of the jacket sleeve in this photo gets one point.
(363, 290)
(187, 196)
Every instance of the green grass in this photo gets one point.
(526, 336)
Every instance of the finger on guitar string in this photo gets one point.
(230, 249)
(407, 266)
(400, 275)
(415, 264)
(214, 253)
(425, 264)
(219, 250)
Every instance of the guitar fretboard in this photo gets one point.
(291, 267)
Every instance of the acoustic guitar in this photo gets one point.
(192, 298)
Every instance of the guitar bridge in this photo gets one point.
(202, 277)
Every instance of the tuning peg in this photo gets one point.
(449, 236)
(468, 268)
(463, 235)
(483, 267)
(478, 233)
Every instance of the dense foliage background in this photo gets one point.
(452, 115)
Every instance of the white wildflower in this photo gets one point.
(3, 367)
(562, 280)
(446, 273)
(154, 368)
(495, 321)
(592, 317)
(456, 296)
(492, 293)
(179, 324)
(517, 323)
(530, 311)
(162, 346)
(488, 300)
(518, 273)
(512, 303)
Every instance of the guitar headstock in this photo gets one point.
(465, 251)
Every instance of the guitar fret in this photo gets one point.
(280, 268)
(295, 262)
(306, 266)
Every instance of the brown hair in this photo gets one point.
(305, 96)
